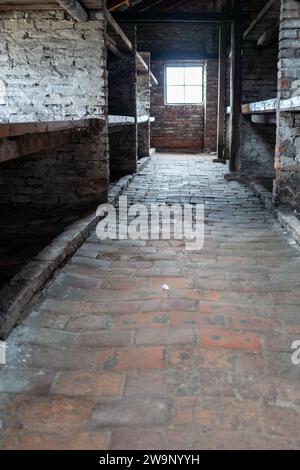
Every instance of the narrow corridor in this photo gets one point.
(145, 345)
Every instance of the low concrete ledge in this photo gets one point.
(290, 222)
(286, 217)
(16, 295)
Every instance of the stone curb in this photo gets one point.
(286, 217)
(17, 295)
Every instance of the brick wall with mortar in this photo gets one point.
(75, 174)
(122, 150)
(54, 68)
(287, 161)
(211, 107)
(179, 127)
(143, 108)
(122, 101)
(259, 82)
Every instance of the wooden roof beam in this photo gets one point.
(259, 17)
(154, 17)
(114, 25)
(75, 9)
(269, 36)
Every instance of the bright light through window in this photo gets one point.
(184, 84)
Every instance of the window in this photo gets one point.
(184, 84)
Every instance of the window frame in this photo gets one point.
(182, 64)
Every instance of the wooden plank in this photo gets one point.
(114, 25)
(168, 55)
(269, 36)
(75, 9)
(143, 119)
(290, 105)
(258, 18)
(204, 17)
(141, 64)
(114, 50)
(23, 128)
(269, 118)
(31, 7)
(23, 139)
(42, 5)
(114, 120)
(235, 94)
(115, 4)
(153, 79)
(260, 107)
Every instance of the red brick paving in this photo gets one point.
(108, 359)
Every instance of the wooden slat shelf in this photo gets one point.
(120, 120)
(267, 106)
(270, 106)
(42, 127)
(123, 45)
(24, 5)
(127, 120)
(292, 104)
(26, 138)
(143, 67)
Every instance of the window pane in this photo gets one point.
(193, 94)
(193, 75)
(175, 75)
(175, 94)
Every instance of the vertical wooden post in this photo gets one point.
(235, 94)
(221, 91)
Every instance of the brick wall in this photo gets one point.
(179, 127)
(287, 163)
(75, 174)
(122, 92)
(259, 82)
(54, 68)
(143, 108)
(211, 105)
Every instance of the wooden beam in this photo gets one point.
(114, 50)
(75, 9)
(291, 104)
(114, 5)
(166, 54)
(153, 3)
(221, 92)
(114, 25)
(235, 94)
(269, 36)
(258, 18)
(173, 5)
(30, 6)
(152, 17)
(143, 5)
(260, 107)
(26, 138)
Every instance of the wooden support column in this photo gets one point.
(221, 91)
(235, 94)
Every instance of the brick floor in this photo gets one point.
(109, 359)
